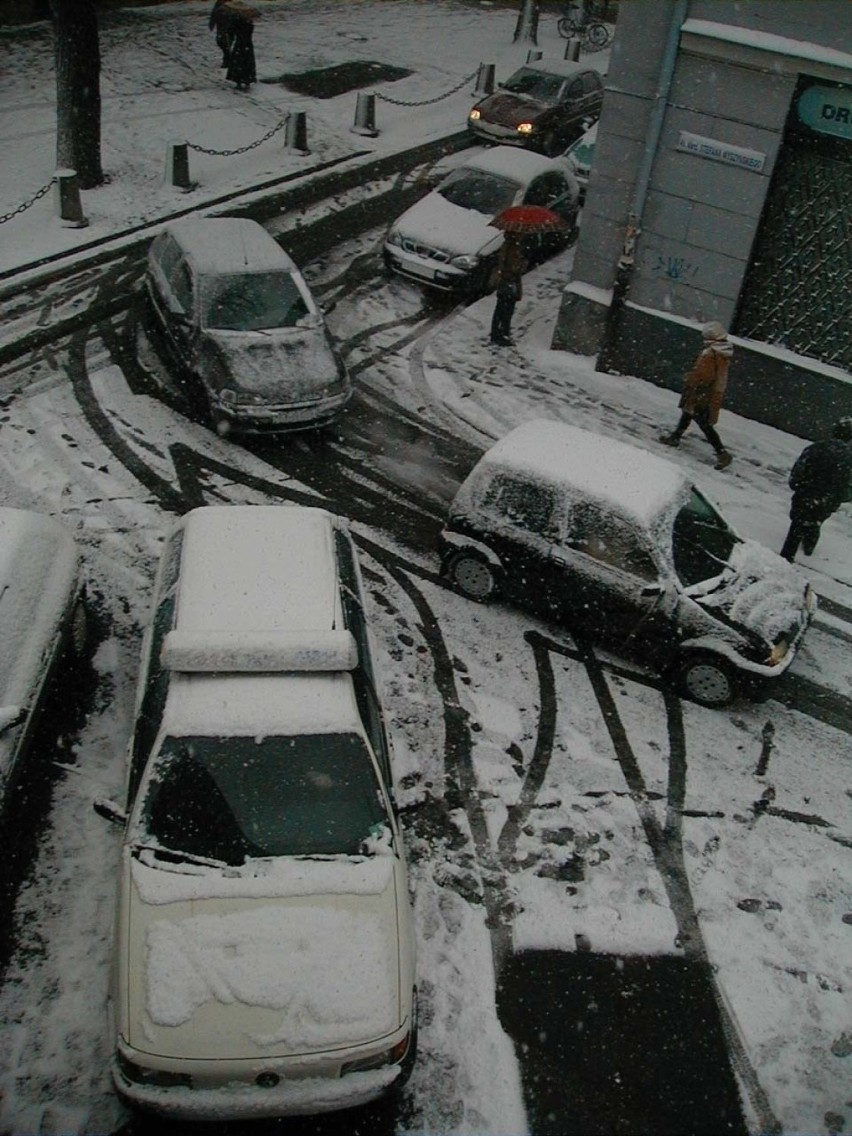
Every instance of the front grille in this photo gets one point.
(426, 251)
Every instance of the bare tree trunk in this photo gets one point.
(78, 89)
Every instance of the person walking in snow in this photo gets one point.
(219, 23)
(511, 265)
(704, 391)
(821, 480)
(241, 64)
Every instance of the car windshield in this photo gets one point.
(475, 189)
(702, 541)
(252, 301)
(536, 84)
(232, 798)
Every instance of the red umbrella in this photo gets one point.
(528, 219)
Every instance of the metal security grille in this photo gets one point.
(799, 283)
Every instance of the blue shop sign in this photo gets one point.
(827, 110)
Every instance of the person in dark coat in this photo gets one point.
(821, 480)
(511, 265)
(704, 391)
(220, 23)
(241, 65)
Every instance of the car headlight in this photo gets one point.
(474, 115)
(157, 1078)
(778, 652)
(394, 237)
(465, 262)
(525, 127)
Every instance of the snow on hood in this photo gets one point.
(284, 366)
(510, 109)
(230, 976)
(763, 593)
(436, 222)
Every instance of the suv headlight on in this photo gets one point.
(474, 115)
(467, 263)
(525, 127)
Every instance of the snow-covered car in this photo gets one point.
(446, 240)
(542, 106)
(264, 960)
(617, 542)
(241, 323)
(580, 155)
(42, 618)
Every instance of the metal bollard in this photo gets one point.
(66, 196)
(177, 167)
(572, 50)
(534, 56)
(365, 116)
(296, 133)
(484, 81)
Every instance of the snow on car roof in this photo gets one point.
(567, 68)
(637, 484)
(513, 162)
(230, 244)
(258, 568)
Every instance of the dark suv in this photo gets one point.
(542, 106)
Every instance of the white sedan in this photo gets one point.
(446, 240)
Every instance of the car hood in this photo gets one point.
(301, 958)
(439, 224)
(282, 366)
(759, 593)
(509, 109)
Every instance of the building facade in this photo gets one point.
(722, 189)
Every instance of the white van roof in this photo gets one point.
(258, 568)
(631, 481)
(230, 245)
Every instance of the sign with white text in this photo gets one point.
(721, 151)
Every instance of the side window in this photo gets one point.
(546, 189)
(592, 82)
(363, 677)
(154, 698)
(574, 92)
(610, 540)
(181, 285)
(528, 505)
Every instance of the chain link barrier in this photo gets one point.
(4, 217)
(243, 149)
(427, 102)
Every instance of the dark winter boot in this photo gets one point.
(723, 459)
(670, 439)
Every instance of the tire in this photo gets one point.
(473, 576)
(598, 36)
(706, 679)
(565, 27)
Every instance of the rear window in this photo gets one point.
(527, 504)
(252, 301)
(238, 797)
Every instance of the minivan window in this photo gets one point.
(702, 542)
(251, 301)
(229, 798)
(181, 284)
(610, 540)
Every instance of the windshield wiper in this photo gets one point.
(180, 857)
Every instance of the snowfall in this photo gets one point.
(771, 886)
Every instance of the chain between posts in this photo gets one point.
(426, 102)
(4, 217)
(243, 149)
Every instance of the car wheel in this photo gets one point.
(706, 679)
(473, 576)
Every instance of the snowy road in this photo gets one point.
(556, 798)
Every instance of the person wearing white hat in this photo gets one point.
(704, 391)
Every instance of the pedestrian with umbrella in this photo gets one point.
(517, 222)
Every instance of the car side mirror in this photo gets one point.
(109, 810)
(657, 589)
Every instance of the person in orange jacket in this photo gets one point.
(704, 391)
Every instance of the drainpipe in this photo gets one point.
(624, 268)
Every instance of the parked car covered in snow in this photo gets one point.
(580, 155)
(243, 327)
(542, 106)
(446, 241)
(42, 614)
(264, 952)
(617, 542)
